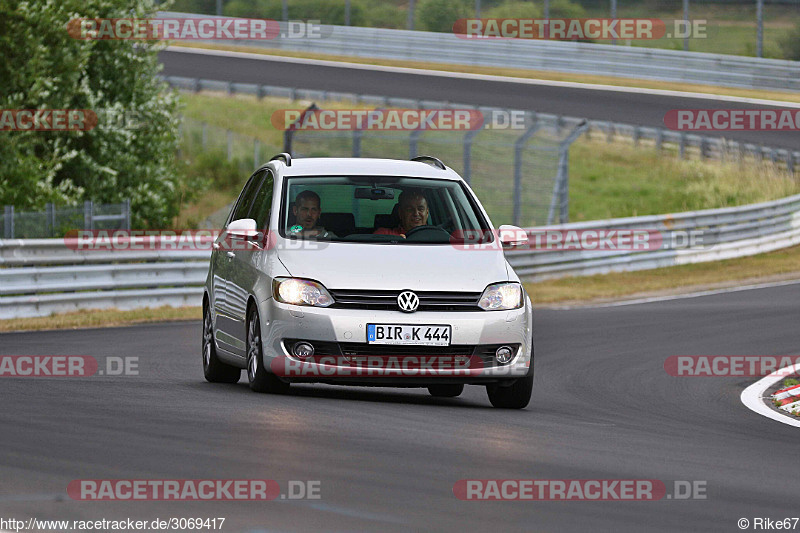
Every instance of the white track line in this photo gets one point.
(483, 77)
(675, 296)
(751, 396)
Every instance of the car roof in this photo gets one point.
(358, 166)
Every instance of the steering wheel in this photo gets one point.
(426, 227)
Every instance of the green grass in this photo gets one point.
(736, 38)
(606, 180)
(617, 180)
(96, 318)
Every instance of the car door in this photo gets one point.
(228, 299)
(246, 263)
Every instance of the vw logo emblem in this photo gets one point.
(408, 301)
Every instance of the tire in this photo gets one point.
(260, 379)
(446, 390)
(214, 370)
(514, 396)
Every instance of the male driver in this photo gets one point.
(412, 210)
(306, 210)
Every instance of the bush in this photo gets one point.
(326, 11)
(44, 68)
(205, 7)
(440, 15)
(386, 16)
(529, 10)
(790, 44)
(513, 9)
(566, 9)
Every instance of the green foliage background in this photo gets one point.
(42, 67)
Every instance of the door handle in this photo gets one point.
(231, 254)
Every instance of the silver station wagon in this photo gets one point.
(371, 272)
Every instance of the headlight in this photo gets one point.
(501, 297)
(301, 292)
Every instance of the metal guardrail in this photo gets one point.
(684, 144)
(582, 58)
(725, 233)
(45, 276)
(39, 277)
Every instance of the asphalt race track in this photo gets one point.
(603, 408)
(632, 108)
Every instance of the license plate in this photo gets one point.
(409, 334)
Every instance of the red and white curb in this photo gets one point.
(788, 399)
(752, 396)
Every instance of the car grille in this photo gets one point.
(485, 352)
(362, 349)
(387, 300)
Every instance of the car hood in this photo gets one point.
(397, 267)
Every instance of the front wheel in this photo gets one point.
(514, 396)
(260, 379)
(215, 370)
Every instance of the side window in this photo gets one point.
(263, 202)
(242, 208)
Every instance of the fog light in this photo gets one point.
(303, 350)
(504, 354)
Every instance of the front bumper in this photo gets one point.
(343, 332)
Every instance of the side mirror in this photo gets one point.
(512, 235)
(244, 228)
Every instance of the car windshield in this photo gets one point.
(381, 209)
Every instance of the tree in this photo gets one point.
(44, 68)
(440, 15)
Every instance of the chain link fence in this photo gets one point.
(521, 175)
(57, 221)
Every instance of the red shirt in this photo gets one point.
(390, 231)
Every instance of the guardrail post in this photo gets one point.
(519, 144)
(256, 153)
(682, 146)
(610, 134)
(196, 85)
(50, 216)
(88, 213)
(561, 188)
(229, 135)
(287, 141)
(637, 132)
(8, 223)
(413, 139)
(659, 139)
(469, 137)
(126, 207)
(790, 162)
(357, 142)
(204, 136)
(231, 89)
